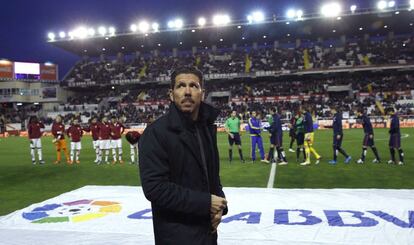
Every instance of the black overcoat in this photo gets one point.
(175, 180)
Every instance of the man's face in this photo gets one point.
(233, 114)
(76, 122)
(58, 119)
(113, 120)
(104, 120)
(187, 93)
(253, 114)
(94, 120)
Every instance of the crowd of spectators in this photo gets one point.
(381, 85)
(378, 51)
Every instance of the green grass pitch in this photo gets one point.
(22, 184)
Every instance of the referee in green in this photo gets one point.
(232, 128)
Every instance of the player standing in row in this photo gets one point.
(58, 132)
(117, 129)
(276, 139)
(368, 138)
(34, 129)
(133, 137)
(94, 129)
(309, 138)
(338, 136)
(292, 133)
(75, 133)
(395, 138)
(232, 127)
(255, 129)
(300, 136)
(104, 140)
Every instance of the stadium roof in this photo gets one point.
(310, 28)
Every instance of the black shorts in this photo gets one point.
(368, 141)
(276, 140)
(395, 141)
(300, 138)
(337, 142)
(292, 133)
(235, 140)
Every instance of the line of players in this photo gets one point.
(106, 136)
(302, 131)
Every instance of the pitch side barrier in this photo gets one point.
(406, 121)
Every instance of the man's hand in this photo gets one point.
(217, 204)
(231, 135)
(371, 136)
(338, 137)
(216, 220)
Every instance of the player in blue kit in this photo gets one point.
(255, 130)
(338, 136)
(276, 139)
(368, 138)
(395, 138)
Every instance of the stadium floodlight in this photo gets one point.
(178, 23)
(71, 34)
(291, 13)
(155, 27)
(102, 30)
(391, 4)
(175, 24)
(294, 14)
(331, 9)
(381, 5)
(51, 36)
(353, 8)
(256, 17)
(221, 19)
(143, 26)
(81, 32)
(299, 14)
(411, 4)
(91, 32)
(202, 21)
(133, 28)
(170, 24)
(112, 31)
(62, 34)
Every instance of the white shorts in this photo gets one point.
(35, 143)
(105, 144)
(133, 146)
(116, 143)
(75, 145)
(95, 144)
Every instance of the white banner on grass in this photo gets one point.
(121, 215)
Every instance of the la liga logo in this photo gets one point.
(76, 211)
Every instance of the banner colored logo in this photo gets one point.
(76, 211)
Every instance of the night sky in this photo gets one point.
(25, 24)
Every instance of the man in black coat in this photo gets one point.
(179, 166)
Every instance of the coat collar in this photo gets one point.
(179, 122)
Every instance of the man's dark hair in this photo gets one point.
(273, 109)
(186, 70)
